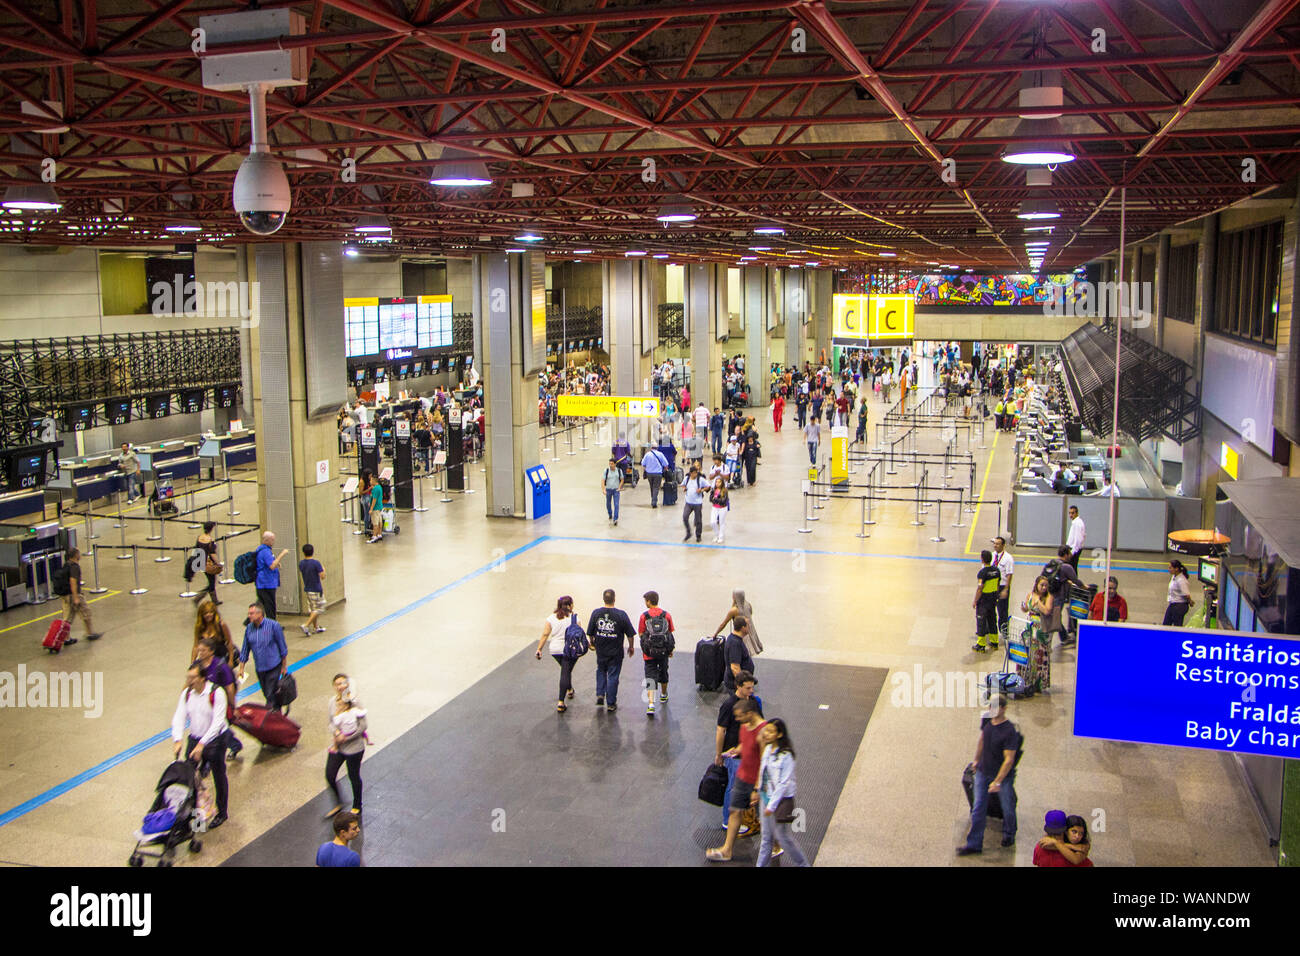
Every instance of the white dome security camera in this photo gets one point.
(261, 195)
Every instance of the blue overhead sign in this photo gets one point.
(1187, 687)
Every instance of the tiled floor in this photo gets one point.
(457, 596)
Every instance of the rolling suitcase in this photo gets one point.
(710, 664)
(669, 493)
(267, 726)
(968, 784)
(57, 635)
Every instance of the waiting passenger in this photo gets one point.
(1116, 608)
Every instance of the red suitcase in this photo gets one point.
(267, 726)
(57, 635)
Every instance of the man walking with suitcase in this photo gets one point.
(264, 640)
(608, 628)
(996, 756)
(203, 708)
(654, 464)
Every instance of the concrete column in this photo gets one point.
(706, 320)
(630, 296)
(823, 283)
(756, 310)
(796, 314)
(510, 300)
(298, 379)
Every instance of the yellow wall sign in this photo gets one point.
(1228, 459)
(871, 317)
(606, 406)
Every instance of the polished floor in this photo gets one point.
(457, 598)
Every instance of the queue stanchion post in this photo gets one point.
(805, 529)
(419, 487)
(917, 522)
(871, 501)
(118, 495)
(465, 471)
(97, 589)
(225, 562)
(189, 507)
(90, 523)
(162, 538)
(970, 508)
(124, 554)
(568, 439)
(89, 527)
(555, 447)
(135, 567)
(961, 500)
(863, 532)
(151, 536)
(938, 523)
(189, 591)
(582, 432)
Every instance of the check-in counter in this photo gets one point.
(170, 451)
(72, 470)
(177, 469)
(29, 555)
(1043, 521)
(94, 487)
(237, 455)
(212, 446)
(18, 504)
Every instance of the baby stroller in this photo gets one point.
(733, 474)
(175, 817)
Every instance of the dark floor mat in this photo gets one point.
(498, 778)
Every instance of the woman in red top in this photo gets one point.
(1116, 606)
(778, 412)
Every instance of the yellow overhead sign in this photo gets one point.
(603, 406)
(871, 317)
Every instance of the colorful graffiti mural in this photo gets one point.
(962, 288)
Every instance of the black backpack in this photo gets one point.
(61, 581)
(1052, 571)
(656, 641)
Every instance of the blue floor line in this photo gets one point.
(72, 783)
(972, 559)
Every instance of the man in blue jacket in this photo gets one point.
(264, 639)
(268, 573)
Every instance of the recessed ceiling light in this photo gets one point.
(660, 255)
(516, 250)
(528, 236)
(888, 255)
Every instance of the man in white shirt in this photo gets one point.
(1006, 566)
(203, 707)
(1076, 536)
(701, 419)
(363, 414)
(1107, 488)
(694, 489)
